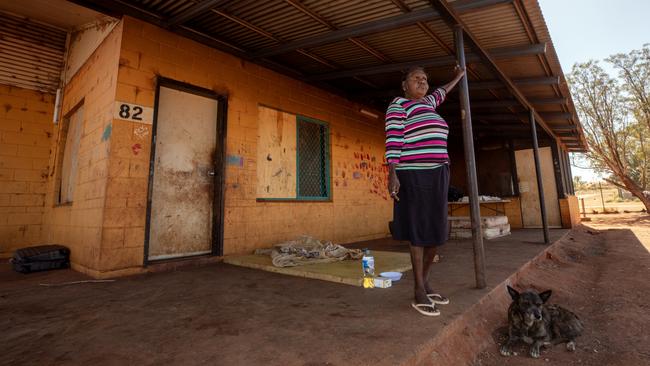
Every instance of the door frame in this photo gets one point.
(219, 164)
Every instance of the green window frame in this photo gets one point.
(312, 159)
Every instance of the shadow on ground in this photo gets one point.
(225, 315)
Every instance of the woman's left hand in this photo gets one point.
(460, 71)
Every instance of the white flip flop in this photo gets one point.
(438, 299)
(421, 309)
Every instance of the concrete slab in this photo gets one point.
(347, 272)
(220, 314)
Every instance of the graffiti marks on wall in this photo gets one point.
(141, 131)
(107, 132)
(365, 169)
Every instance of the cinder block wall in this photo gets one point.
(79, 225)
(359, 208)
(25, 136)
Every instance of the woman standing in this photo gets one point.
(416, 152)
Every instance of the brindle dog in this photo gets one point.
(538, 324)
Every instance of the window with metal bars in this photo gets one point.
(312, 159)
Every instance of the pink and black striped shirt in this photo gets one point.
(416, 135)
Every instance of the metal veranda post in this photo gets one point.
(472, 183)
(538, 173)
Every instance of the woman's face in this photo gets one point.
(415, 86)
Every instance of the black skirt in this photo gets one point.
(420, 215)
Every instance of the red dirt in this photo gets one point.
(600, 272)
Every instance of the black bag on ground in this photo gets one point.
(41, 258)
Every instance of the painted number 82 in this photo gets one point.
(125, 112)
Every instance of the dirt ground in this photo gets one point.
(224, 315)
(593, 201)
(218, 314)
(606, 282)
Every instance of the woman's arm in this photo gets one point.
(395, 117)
(393, 181)
(460, 72)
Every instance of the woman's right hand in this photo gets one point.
(393, 183)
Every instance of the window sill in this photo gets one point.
(320, 200)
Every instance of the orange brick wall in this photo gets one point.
(359, 209)
(80, 225)
(25, 136)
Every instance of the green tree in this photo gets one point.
(578, 183)
(615, 115)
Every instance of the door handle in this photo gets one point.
(211, 174)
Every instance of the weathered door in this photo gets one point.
(530, 208)
(182, 190)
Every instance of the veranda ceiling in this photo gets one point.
(358, 49)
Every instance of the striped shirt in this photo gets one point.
(416, 135)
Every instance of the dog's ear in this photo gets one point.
(545, 295)
(513, 293)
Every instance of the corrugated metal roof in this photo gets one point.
(317, 37)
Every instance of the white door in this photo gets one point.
(528, 193)
(182, 197)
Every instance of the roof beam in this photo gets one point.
(376, 26)
(437, 62)
(519, 116)
(453, 19)
(555, 116)
(510, 102)
(118, 8)
(549, 101)
(193, 11)
(359, 43)
(270, 36)
(482, 85)
(476, 85)
(564, 127)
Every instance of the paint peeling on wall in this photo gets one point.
(107, 132)
(84, 41)
(235, 160)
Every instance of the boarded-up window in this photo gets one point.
(70, 138)
(292, 157)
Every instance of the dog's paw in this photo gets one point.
(571, 346)
(505, 351)
(535, 353)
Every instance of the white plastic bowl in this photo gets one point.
(394, 276)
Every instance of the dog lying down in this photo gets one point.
(532, 321)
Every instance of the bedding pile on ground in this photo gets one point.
(307, 250)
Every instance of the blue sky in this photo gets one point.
(585, 30)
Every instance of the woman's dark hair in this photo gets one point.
(412, 69)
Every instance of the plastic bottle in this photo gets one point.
(368, 263)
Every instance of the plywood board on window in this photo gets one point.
(530, 207)
(276, 154)
(70, 161)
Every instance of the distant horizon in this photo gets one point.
(584, 30)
